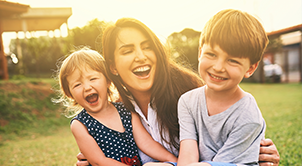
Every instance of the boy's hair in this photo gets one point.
(80, 59)
(237, 33)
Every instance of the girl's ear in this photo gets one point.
(251, 70)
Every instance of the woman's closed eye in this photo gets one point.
(128, 51)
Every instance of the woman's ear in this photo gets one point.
(113, 70)
(251, 70)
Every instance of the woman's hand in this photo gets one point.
(269, 154)
(82, 161)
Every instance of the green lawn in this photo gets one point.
(281, 105)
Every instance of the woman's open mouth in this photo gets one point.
(142, 71)
(92, 98)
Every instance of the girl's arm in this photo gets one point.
(188, 152)
(89, 147)
(147, 144)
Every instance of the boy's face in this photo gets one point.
(222, 71)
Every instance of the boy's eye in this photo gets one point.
(211, 54)
(233, 61)
(93, 78)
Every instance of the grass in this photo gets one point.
(281, 106)
(57, 149)
(45, 138)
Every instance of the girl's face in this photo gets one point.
(89, 89)
(135, 60)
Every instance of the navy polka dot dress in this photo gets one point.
(114, 144)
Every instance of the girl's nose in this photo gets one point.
(87, 87)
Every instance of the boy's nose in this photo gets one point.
(219, 66)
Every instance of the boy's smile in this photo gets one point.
(221, 71)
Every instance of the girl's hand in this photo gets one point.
(269, 154)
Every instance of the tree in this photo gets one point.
(89, 35)
(185, 46)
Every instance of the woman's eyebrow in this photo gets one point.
(126, 46)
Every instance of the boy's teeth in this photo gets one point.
(219, 78)
(141, 69)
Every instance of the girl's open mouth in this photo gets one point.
(92, 98)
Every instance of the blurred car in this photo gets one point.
(272, 71)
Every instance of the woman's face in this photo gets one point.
(135, 60)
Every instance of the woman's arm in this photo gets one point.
(147, 144)
(82, 161)
(268, 153)
(89, 147)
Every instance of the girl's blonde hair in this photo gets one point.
(79, 60)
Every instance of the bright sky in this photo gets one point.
(167, 16)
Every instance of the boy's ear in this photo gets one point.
(199, 51)
(251, 70)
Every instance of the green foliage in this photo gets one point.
(40, 55)
(89, 35)
(24, 105)
(185, 47)
(274, 45)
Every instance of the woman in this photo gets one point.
(150, 83)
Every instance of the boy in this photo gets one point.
(219, 122)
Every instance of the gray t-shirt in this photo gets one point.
(231, 136)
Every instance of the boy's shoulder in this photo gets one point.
(194, 91)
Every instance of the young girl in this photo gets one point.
(104, 131)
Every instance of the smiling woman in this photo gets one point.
(148, 82)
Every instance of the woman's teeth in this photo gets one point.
(142, 71)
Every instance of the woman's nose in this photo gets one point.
(140, 55)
